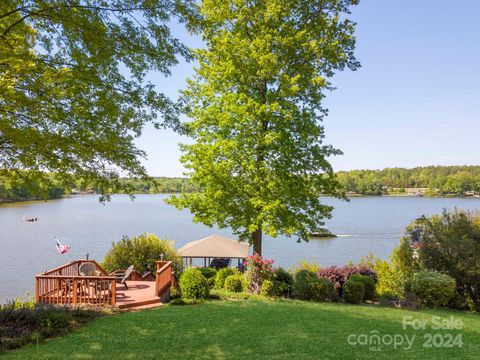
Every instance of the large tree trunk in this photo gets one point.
(257, 241)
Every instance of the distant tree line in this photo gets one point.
(157, 185)
(435, 180)
(28, 185)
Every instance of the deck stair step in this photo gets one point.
(141, 304)
(143, 307)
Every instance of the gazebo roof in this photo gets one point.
(214, 246)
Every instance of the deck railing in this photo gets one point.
(65, 285)
(163, 278)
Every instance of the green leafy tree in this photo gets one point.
(256, 107)
(73, 88)
(448, 243)
(142, 252)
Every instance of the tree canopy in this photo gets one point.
(255, 106)
(439, 180)
(73, 88)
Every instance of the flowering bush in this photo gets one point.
(258, 270)
(339, 275)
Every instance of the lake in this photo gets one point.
(364, 225)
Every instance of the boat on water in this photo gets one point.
(29, 219)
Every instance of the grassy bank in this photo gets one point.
(255, 330)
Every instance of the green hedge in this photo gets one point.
(432, 288)
(193, 285)
(279, 288)
(307, 286)
(233, 283)
(208, 272)
(368, 283)
(267, 289)
(353, 291)
(323, 290)
(222, 274)
(302, 286)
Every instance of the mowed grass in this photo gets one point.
(255, 329)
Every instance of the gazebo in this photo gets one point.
(213, 247)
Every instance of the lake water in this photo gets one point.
(365, 225)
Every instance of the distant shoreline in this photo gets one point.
(446, 196)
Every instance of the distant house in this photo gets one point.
(416, 191)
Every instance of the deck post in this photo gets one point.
(37, 290)
(75, 285)
(114, 292)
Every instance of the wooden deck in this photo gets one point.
(68, 285)
(139, 295)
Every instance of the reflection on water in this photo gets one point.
(364, 225)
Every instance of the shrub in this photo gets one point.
(259, 269)
(193, 285)
(222, 274)
(392, 275)
(208, 272)
(391, 280)
(305, 265)
(368, 283)
(26, 322)
(302, 286)
(460, 301)
(141, 252)
(211, 282)
(386, 297)
(322, 290)
(282, 282)
(267, 289)
(54, 323)
(353, 292)
(175, 293)
(283, 275)
(233, 283)
(279, 288)
(432, 288)
(448, 243)
(339, 275)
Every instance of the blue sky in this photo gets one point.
(414, 102)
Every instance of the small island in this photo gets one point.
(323, 233)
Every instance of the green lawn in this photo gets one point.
(255, 330)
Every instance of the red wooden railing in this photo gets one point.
(64, 285)
(164, 277)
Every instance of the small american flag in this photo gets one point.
(62, 249)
